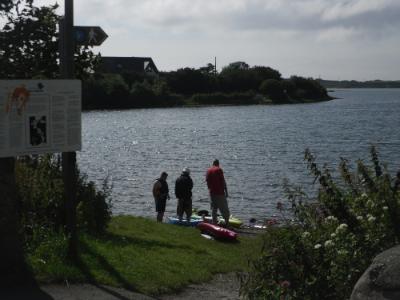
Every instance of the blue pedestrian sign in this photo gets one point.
(89, 35)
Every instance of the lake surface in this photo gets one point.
(258, 146)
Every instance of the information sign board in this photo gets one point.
(39, 116)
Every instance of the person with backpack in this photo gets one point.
(183, 192)
(161, 194)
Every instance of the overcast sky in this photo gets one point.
(331, 39)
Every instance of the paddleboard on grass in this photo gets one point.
(193, 221)
(217, 232)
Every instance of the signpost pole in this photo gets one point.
(69, 158)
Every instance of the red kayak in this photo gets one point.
(217, 232)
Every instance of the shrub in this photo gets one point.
(274, 90)
(308, 89)
(41, 189)
(323, 250)
(94, 206)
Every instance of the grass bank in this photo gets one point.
(141, 255)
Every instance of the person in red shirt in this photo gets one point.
(218, 192)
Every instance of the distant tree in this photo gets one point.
(289, 88)
(132, 77)
(237, 77)
(143, 95)
(273, 89)
(160, 87)
(237, 65)
(308, 88)
(188, 81)
(208, 69)
(262, 73)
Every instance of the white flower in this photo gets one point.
(370, 203)
(328, 243)
(341, 228)
(364, 196)
(371, 219)
(305, 234)
(359, 218)
(330, 219)
(317, 246)
(333, 235)
(385, 208)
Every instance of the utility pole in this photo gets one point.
(69, 170)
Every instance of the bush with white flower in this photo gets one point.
(334, 238)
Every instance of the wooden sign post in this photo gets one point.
(69, 170)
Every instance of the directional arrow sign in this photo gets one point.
(89, 35)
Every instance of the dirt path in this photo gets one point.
(223, 286)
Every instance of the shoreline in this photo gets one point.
(266, 103)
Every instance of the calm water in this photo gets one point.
(257, 146)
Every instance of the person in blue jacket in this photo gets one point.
(183, 192)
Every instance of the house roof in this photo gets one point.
(113, 64)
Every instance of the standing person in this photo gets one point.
(161, 194)
(183, 191)
(218, 192)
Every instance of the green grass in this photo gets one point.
(142, 255)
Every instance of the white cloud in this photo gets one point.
(347, 9)
(337, 34)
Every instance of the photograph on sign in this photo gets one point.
(38, 130)
(39, 116)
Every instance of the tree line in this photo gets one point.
(359, 84)
(237, 83)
